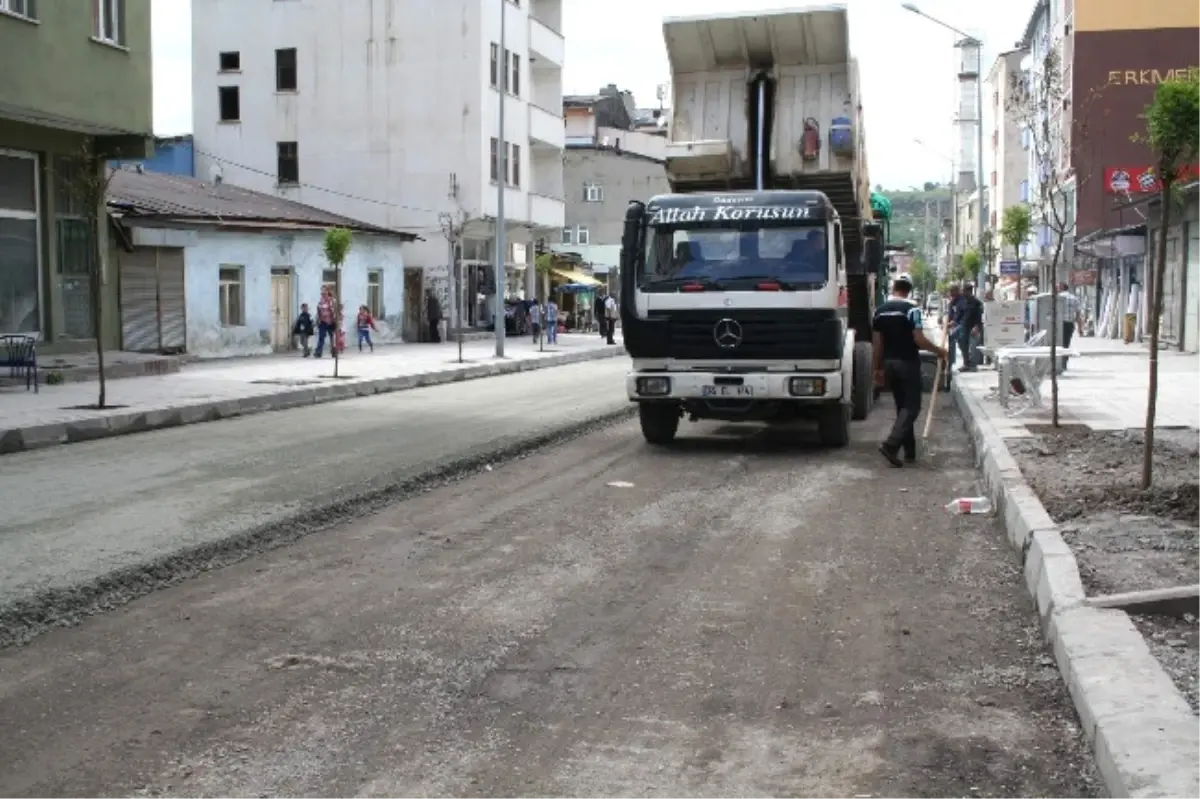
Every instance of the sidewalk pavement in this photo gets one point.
(1104, 388)
(210, 390)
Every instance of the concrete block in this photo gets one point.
(1057, 585)
(43, 435)
(160, 418)
(95, 427)
(1144, 734)
(1023, 512)
(195, 413)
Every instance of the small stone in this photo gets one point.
(905, 631)
(1178, 643)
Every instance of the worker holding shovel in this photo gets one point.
(899, 337)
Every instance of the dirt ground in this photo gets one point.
(1126, 539)
(742, 615)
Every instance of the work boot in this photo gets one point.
(891, 455)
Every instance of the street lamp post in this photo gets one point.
(501, 179)
(968, 40)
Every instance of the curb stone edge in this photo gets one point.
(1144, 735)
(23, 439)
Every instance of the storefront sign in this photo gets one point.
(1010, 267)
(1139, 180)
(1083, 277)
(1148, 77)
(1004, 323)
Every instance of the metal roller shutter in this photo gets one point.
(171, 299)
(139, 301)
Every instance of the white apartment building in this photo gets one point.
(1008, 181)
(387, 111)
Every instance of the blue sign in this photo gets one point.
(1010, 267)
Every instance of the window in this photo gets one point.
(21, 8)
(582, 237)
(375, 292)
(514, 165)
(495, 66)
(495, 160)
(20, 306)
(329, 279)
(231, 103)
(593, 193)
(76, 254)
(568, 236)
(109, 16)
(230, 61)
(515, 69)
(232, 308)
(287, 168)
(285, 70)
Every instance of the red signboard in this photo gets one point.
(1139, 180)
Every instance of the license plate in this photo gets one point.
(727, 391)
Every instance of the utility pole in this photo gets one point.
(452, 229)
(501, 182)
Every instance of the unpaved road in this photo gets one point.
(751, 617)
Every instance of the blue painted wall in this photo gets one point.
(171, 157)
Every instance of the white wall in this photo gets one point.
(257, 254)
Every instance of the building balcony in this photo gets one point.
(547, 212)
(545, 44)
(546, 129)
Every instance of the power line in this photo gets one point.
(335, 192)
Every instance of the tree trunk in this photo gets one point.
(337, 316)
(1054, 326)
(97, 287)
(1156, 305)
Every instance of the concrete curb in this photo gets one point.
(1143, 733)
(120, 423)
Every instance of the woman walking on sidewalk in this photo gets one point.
(365, 324)
(326, 321)
(551, 321)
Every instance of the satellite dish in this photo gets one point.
(215, 174)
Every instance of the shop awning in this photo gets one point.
(572, 276)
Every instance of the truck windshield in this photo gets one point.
(796, 256)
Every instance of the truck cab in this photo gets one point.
(734, 307)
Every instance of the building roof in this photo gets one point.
(151, 195)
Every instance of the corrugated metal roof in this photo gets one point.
(152, 194)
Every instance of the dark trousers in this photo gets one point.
(323, 332)
(1068, 334)
(904, 378)
(435, 331)
(964, 346)
(610, 327)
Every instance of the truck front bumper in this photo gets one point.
(684, 386)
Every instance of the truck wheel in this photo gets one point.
(862, 393)
(659, 422)
(834, 426)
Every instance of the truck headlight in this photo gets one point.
(654, 386)
(806, 386)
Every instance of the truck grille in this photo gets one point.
(765, 335)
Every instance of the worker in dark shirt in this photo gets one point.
(970, 326)
(899, 337)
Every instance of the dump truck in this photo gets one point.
(747, 292)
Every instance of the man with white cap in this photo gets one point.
(899, 337)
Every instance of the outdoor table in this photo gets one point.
(1031, 365)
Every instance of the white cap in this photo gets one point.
(904, 278)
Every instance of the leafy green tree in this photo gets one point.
(1172, 133)
(923, 277)
(1015, 227)
(337, 246)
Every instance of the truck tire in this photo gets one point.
(834, 425)
(660, 422)
(862, 393)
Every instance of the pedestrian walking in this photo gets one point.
(551, 321)
(970, 326)
(610, 318)
(326, 321)
(303, 329)
(365, 324)
(535, 320)
(433, 315)
(598, 312)
(899, 337)
(1073, 319)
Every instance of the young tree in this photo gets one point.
(968, 267)
(1171, 132)
(337, 246)
(1036, 104)
(923, 278)
(1015, 227)
(84, 177)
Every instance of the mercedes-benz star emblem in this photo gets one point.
(727, 333)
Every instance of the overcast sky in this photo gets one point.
(907, 65)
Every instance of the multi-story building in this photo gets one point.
(606, 165)
(76, 90)
(388, 111)
(1008, 181)
(1112, 56)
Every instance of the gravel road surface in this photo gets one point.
(93, 525)
(744, 615)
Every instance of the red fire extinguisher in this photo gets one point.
(810, 142)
